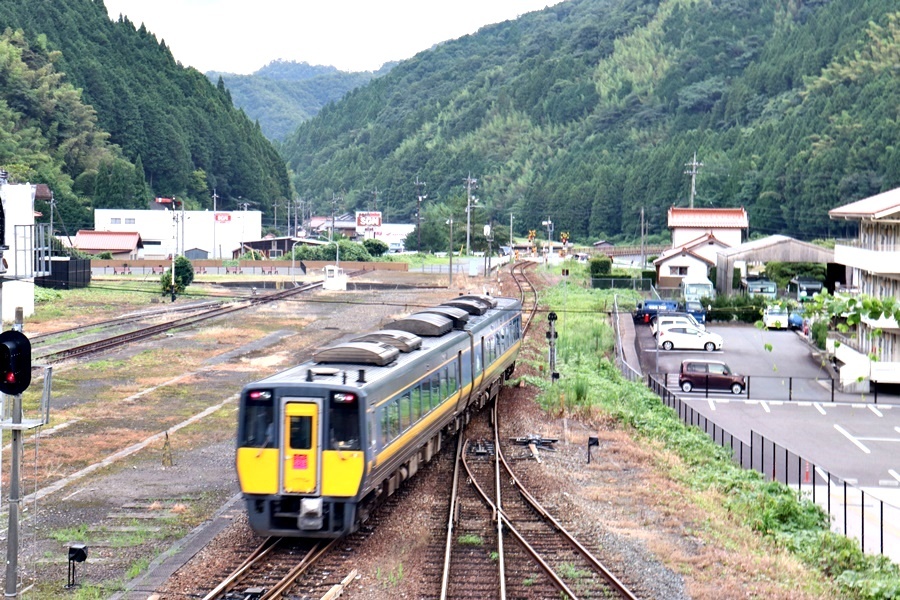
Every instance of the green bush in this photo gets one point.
(601, 266)
(819, 331)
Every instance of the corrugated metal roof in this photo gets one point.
(874, 207)
(112, 241)
(721, 218)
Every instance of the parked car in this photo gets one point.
(695, 309)
(684, 337)
(775, 317)
(709, 374)
(795, 318)
(667, 320)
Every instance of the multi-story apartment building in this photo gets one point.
(874, 270)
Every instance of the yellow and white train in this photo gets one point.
(320, 444)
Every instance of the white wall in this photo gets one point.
(18, 206)
(200, 229)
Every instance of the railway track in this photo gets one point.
(500, 542)
(214, 310)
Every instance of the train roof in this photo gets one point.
(373, 358)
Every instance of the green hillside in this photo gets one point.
(283, 94)
(586, 112)
(181, 132)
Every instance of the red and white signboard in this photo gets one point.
(223, 217)
(368, 219)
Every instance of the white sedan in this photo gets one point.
(683, 337)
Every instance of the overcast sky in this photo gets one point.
(240, 36)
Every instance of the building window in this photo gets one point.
(115, 221)
(129, 221)
(679, 271)
(275, 253)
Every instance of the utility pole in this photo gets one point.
(510, 232)
(694, 170)
(419, 186)
(471, 184)
(375, 198)
(215, 198)
(334, 201)
(643, 231)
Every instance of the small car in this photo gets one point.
(795, 319)
(709, 374)
(665, 321)
(775, 317)
(684, 337)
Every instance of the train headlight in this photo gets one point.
(260, 395)
(344, 398)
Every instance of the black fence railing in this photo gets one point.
(852, 511)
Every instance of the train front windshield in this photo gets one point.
(258, 427)
(343, 422)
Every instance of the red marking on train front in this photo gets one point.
(300, 462)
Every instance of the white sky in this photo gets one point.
(241, 36)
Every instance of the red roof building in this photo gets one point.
(726, 224)
(122, 245)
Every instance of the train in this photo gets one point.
(323, 443)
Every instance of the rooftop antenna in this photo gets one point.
(694, 169)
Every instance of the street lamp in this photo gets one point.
(549, 225)
(490, 239)
(470, 200)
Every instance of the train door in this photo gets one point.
(300, 447)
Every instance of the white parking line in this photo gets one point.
(819, 408)
(712, 404)
(765, 406)
(875, 410)
(894, 474)
(846, 434)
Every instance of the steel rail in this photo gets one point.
(532, 501)
(314, 554)
(454, 507)
(152, 330)
(554, 578)
(264, 549)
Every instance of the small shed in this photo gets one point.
(122, 245)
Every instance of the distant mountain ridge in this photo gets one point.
(283, 94)
(585, 114)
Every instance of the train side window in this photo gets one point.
(426, 394)
(404, 411)
(436, 395)
(415, 404)
(301, 433)
(390, 427)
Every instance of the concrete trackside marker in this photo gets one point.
(847, 435)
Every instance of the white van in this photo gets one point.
(694, 288)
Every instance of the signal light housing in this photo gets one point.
(15, 362)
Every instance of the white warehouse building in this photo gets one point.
(165, 232)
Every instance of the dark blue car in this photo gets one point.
(795, 318)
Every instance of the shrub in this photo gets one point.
(601, 266)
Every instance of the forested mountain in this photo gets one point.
(586, 113)
(283, 94)
(174, 133)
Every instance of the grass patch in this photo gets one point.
(470, 539)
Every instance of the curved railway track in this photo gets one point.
(542, 561)
(545, 560)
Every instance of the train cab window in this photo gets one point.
(343, 427)
(259, 426)
(301, 433)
